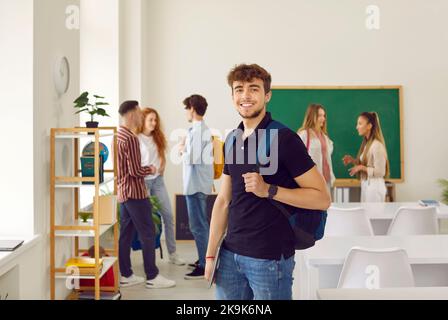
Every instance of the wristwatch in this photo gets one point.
(272, 191)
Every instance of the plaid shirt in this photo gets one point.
(131, 174)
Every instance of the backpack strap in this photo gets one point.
(308, 139)
(264, 149)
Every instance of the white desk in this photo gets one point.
(19, 269)
(381, 214)
(7, 256)
(321, 265)
(415, 293)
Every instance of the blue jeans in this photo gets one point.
(156, 187)
(243, 278)
(198, 222)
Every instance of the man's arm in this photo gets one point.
(218, 224)
(312, 194)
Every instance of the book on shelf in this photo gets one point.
(88, 168)
(82, 262)
(89, 271)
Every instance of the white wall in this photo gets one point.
(99, 65)
(16, 129)
(131, 51)
(51, 40)
(99, 53)
(193, 44)
(33, 36)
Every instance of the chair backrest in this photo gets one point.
(347, 222)
(376, 268)
(414, 221)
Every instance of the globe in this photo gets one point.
(89, 151)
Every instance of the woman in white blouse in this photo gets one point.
(371, 164)
(152, 148)
(314, 135)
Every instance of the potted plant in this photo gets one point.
(444, 184)
(83, 104)
(84, 215)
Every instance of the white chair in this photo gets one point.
(376, 268)
(414, 221)
(347, 222)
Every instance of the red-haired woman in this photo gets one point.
(152, 147)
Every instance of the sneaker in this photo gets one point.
(197, 273)
(193, 266)
(160, 282)
(174, 259)
(131, 281)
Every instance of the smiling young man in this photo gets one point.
(257, 256)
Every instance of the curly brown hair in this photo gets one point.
(248, 72)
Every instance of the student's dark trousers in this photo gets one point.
(137, 215)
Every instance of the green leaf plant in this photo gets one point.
(84, 104)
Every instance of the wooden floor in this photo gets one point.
(184, 290)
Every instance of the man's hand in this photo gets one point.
(254, 183)
(153, 169)
(182, 145)
(208, 269)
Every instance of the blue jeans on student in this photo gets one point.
(243, 278)
(156, 187)
(198, 222)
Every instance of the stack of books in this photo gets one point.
(85, 265)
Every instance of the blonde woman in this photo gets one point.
(371, 164)
(314, 135)
(153, 146)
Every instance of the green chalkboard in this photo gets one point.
(343, 105)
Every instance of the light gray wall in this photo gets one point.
(51, 40)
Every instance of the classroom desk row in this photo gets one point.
(320, 266)
(381, 214)
(318, 269)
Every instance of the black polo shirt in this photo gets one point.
(256, 228)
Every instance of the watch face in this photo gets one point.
(62, 75)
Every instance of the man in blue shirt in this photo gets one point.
(197, 156)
